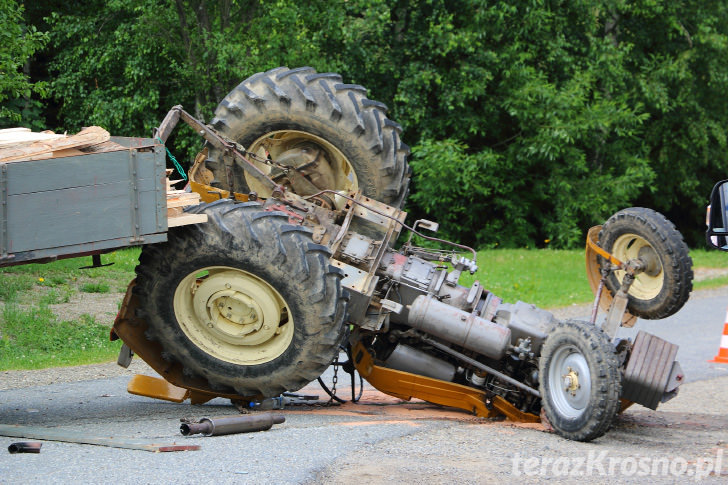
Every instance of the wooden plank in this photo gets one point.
(107, 146)
(66, 152)
(19, 151)
(181, 193)
(23, 136)
(185, 219)
(183, 201)
(79, 437)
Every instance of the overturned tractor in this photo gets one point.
(304, 178)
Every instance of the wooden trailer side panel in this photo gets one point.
(81, 204)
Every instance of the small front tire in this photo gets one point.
(580, 382)
(665, 285)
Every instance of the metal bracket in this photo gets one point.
(134, 198)
(618, 307)
(4, 209)
(217, 140)
(96, 262)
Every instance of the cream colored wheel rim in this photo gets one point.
(648, 284)
(233, 315)
(274, 143)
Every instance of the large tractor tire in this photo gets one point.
(246, 300)
(298, 115)
(641, 233)
(580, 381)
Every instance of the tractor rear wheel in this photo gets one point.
(246, 300)
(580, 381)
(299, 117)
(641, 233)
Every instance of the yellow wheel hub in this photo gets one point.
(233, 315)
(647, 284)
(571, 381)
(273, 144)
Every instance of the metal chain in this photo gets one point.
(334, 381)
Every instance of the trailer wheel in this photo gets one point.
(299, 114)
(642, 233)
(580, 382)
(246, 300)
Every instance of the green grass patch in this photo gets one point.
(95, 287)
(12, 284)
(548, 278)
(556, 278)
(33, 338)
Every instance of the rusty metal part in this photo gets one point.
(594, 275)
(81, 437)
(25, 447)
(211, 194)
(368, 207)
(406, 386)
(651, 371)
(233, 150)
(293, 217)
(156, 388)
(232, 424)
(132, 330)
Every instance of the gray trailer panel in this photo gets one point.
(90, 203)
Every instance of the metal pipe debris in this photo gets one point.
(231, 425)
(25, 447)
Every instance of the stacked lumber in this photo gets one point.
(177, 200)
(21, 144)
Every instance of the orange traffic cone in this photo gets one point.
(722, 357)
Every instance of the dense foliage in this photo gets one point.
(18, 42)
(529, 120)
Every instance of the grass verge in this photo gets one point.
(552, 278)
(34, 338)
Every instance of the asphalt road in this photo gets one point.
(378, 442)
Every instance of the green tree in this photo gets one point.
(680, 73)
(530, 120)
(123, 64)
(571, 109)
(521, 104)
(18, 43)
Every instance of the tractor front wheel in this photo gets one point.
(665, 284)
(580, 382)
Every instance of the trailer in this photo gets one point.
(86, 194)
